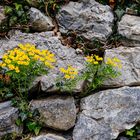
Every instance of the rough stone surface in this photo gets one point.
(107, 113)
(129, 27)
(39, 21)
(56, 112)
(130, 71)
(48, 137)
(6, 45)
(2, 15)
(8, 117)
(45, 40)
(89, 19)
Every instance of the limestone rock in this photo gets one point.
(39, 21)
(107, 113)
(65, 56)
(48, 136)
(89, 19)
(130, 71)
(6, 45)
(129, 27)
(56, 112)
(8, 117)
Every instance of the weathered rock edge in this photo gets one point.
(88, 19)
(107, 113)
(57, 112)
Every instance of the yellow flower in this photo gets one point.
(115, 62)
(22, 47)
(93, 59)
(0, 64)
(44, 52)
(17, 70)
(95, 62)
(3, 65)
(7, 61)
(11, 67)
(19, 62)
(12, 57)
(69, 73)
(26, 63)
(37, 51)
(50, 59)
(5, 56)
(26, 54)
(48, 64)
(115, 59)
(67, 76)
(31, 53)
(42, 59)
(62, 70)
(98, 58)
(36, 57)
(72, 77)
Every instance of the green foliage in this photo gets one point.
(95, 73)
(33, 126)
(68, 80)
(18, 68)
(67, 85)
(12, 136)
(5, 93)
(27, 118)
(17, 13)
(23, 65)
(131, 134)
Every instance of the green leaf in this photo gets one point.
(130, 132)
(8, 10)
(37, 130)
(18, 6)
(31, 125)
(23, 116)
(119, 12)
(12, 20)
(18, 122)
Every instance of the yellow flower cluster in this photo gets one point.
(44, 56)
(69, 73)
(94, 59)
(24, 54)
(115, 62)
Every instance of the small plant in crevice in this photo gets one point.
(68, 79)
(21, 65)
(95, 73)
(131, 134)
(28, 118)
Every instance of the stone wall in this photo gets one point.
(100, 116)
